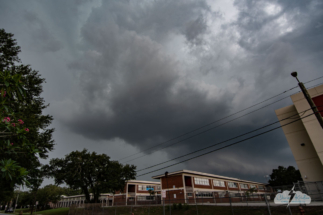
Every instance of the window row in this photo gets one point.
(244, 186)
(145, 187)
(201, 181)
(145, 198)
(204, 195)
(218, 183)
(233, 185)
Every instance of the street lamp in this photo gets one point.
(309, 99)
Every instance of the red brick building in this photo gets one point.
(187, 186)
(183, 186)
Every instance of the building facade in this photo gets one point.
(305, 137)
(183, 186)
(135, 192)
(187, 186)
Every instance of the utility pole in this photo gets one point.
(309, 99)
(166, 175)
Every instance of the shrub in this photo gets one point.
(180, 207)
(174, 206)
(186, 206)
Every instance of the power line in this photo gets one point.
(225, 146)
(210, 124)
(209, 129)
(290, 117)
(313, 80)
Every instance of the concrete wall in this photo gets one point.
(309, 157)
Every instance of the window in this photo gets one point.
(218, 183)
(222, 194)
(201, 181)
(189, 194)
(233, 185)
(145, 198)
(158, 188)
(244, 186)
(252, 186)
(141, 187)
(150, 197)
(131, 198)
(149, 187)
(145, 187)
(260, 187)
(204, 195)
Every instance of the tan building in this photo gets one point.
(136, 192)
(305, 137)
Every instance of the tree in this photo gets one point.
(21, 87)
(49, 193)
(90, 172)
(284, 176)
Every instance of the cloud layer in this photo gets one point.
(140, 73)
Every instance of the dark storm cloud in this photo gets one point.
(147, 71)
(43, 39)
(194, 29)
(135, 90)
(141, 88)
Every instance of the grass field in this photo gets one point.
(57, 211)
(202, 210)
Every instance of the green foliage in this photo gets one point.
(250, 191)
(21, 104)
(180, 206)
(174, 206)
(284, 176)
(186, 206)
(90, 171)
(70, 192)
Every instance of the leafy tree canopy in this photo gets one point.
(26, 136)
(284, 176)
(90, 172)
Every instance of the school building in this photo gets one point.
(183, 186)
(305, 136)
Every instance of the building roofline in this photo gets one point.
(206, 174)
(144, 182)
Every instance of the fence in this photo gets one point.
(253, 204)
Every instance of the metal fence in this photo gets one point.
(313, 189)
(253, 204)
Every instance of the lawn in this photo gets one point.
(158, 210)
(57, 211)
(202, 210)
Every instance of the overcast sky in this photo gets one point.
(123, 76)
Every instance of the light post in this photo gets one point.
(16, 203)
(166, 175)
(309, 99)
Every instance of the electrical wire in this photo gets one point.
(209, 124)
(209, 129)
(290, 117)
(225, 146)
(313, 80)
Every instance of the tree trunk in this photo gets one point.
(86, 193)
